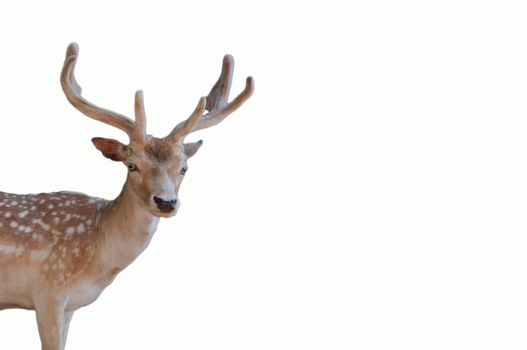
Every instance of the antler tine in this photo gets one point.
(186, 127)
(72, 90)
(219, 94)
(140, 117)
(73, 50)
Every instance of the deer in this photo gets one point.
(60, 250)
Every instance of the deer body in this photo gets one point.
(67, 244)
(59, 251)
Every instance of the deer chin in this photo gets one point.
(161, 214)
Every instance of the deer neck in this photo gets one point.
(126, 228)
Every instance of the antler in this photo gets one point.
(217, 101)
(136, 131)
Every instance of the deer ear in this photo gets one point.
(192, 148)
(111, 148)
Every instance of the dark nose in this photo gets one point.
(165, 206)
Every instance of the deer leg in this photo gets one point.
(51, 320)
(66, 325)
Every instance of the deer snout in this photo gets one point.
(166, 206)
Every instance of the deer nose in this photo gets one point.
(164, 205)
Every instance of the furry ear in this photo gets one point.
(110, 148)
(192, 148)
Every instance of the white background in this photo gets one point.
(372, 194)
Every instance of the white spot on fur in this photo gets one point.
(39, 254)
(56, 220)
(67, 217)
(61, 265)
(70, 230)
(7, 214)
(50, 206)
(13, 224)
(19, 250)
(23, 214)
(81, 228)
(7, 249)
(41, 223)
(14, 203)
(32, 208)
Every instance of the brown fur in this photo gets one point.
(55, 230)
(159, 150)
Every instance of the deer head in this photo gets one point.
(156, 166)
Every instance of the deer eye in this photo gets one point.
(183, 171)
(132, 167)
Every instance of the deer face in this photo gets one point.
(156, 168)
